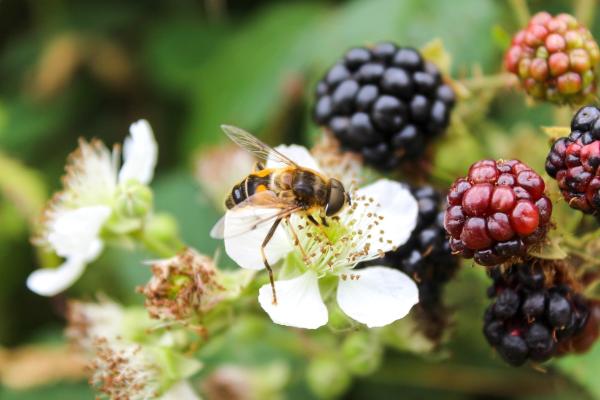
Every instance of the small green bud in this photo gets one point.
(362, 353)
(162, 227)
(338, 321)
(327, 377)
(133, 200)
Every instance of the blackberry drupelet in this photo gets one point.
(497, 212)
(427, 258)
(384, 102)
(574, 162)
(555, 58)
(536, 313)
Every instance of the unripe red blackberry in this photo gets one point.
(497, 211)
(574, 162)
(384, 102)
(555, 59)
(536, 312)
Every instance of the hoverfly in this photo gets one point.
(288, 189)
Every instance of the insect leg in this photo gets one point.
(264, 257)
(320, 226)
(324, 221)
(297, 241)
(312, 219)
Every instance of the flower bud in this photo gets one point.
(233, 382)
(362, 353)
(133, 199)
(327, 377)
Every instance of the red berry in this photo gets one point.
(525, 217)
(521, 193)
(498, 211)
(532, 182)
(506, 180)
(483, 174)
(474, 234)
(454, 220)
(476, 200)
(499, 227)
(503, 199)
(555, 59)
(519, 167)
(590, 156)
(558, 63)
(544, 206)
(457, 191)
(555, 42)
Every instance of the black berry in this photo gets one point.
(403, 96)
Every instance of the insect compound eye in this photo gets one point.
(337, 198)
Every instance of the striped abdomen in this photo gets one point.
(252, 184)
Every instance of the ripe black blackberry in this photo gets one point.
(428, 259)
(536, 311)
(574, 162)
(384, 102)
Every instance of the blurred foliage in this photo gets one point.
(88, 68)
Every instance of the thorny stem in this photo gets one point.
(490, 82)
(521, 11)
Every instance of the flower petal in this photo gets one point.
(379, 296)
(75, 232)
(182, 390)
(398, 211)
(51, 281)
(299, 302)
(299, 154)
(140, 153)
(245, 229)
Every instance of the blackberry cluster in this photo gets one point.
(428, 259)
(385, 103)
(555, 59)
(497, 211)
(535, 312)
(574, 162)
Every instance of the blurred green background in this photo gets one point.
(88, 68)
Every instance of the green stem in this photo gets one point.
(521, 11)
(165, 250)
(490, 82)
(584, 12)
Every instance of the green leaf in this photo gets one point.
(551, 249)
(435, 52)
(62, 391)
(22, 186)
(176, 49)
(501, 37)
(554, 132)
(241, 83)
(583, 368)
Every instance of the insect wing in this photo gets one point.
(255, 146)
(254, 212)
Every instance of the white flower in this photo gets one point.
(75, 217)
(181, 391)
(122, 370)
(381, 218)
(120, 366)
